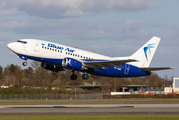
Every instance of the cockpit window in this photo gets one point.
(23, 42)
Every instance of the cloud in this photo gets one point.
(133, 25)
(9, 12)
(77, 29)
(73, 8)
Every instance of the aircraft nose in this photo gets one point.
(10, 46)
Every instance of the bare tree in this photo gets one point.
(35, 64)
(1, 75)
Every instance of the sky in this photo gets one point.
(115, 28)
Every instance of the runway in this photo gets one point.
(103, 108)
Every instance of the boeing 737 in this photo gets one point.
(58, 57)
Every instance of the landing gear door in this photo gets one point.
(36, 46)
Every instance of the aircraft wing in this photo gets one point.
(105, 64)
(155, 68)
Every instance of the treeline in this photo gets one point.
(37, 77)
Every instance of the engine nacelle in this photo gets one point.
(51, 67)
(73, 64)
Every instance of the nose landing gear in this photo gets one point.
(24, 63)
(24, 58)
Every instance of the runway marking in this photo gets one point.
(95, 106)
(103, 108)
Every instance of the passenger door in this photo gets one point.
(37, 46)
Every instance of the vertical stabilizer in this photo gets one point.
(145, 54)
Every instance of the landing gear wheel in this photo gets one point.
(24, 63)
(85, 76)
(73, 77)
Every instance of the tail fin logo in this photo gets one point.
(148, 48)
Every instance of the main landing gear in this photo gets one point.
(74, 76)
(85, 76)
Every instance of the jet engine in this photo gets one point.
(51, 67)
(73, 64)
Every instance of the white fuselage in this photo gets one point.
(56, 57)
(42, 49)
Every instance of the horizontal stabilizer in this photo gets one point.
(105, 64)
(155, 68)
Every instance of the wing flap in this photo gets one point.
(106, 64)
(155, 68)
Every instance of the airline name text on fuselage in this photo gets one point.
(61, 48)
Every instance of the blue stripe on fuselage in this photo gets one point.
(121, 71)
(46, 60)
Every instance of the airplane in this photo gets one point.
(57, 57)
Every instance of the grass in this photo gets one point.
(130, 116)
(81, 102)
